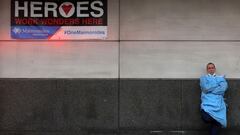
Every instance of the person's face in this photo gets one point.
(211, 69)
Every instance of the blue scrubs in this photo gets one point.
(213, 88)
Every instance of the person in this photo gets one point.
(213, 106)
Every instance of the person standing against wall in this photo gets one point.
(213, 107)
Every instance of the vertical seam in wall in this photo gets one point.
(119, 81)
(181, 105)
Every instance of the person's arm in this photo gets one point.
(222, 86)
(208, 84)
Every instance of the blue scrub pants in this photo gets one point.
(215, 126)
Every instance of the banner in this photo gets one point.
(59, 20)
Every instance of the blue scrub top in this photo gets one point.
(213, 88)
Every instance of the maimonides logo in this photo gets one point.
(59, 13)
(16, 30)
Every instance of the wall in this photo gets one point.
(149, 35)
(143, 79)
(108, 107)
(59, 59)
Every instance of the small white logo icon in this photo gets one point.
(17, 30)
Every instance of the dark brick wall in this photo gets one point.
(108, 107)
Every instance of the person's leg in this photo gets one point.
(215, 127)
(206, 117)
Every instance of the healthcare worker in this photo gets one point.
(213, 107)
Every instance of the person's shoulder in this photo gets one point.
(221, 77)
(203, 77)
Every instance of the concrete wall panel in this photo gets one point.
(91, 104)
(58, 59)
(150, 104)
(177, 59)
(233, 104)
(190, 104)
(44, 105)
(180, 20)
(31, 105)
